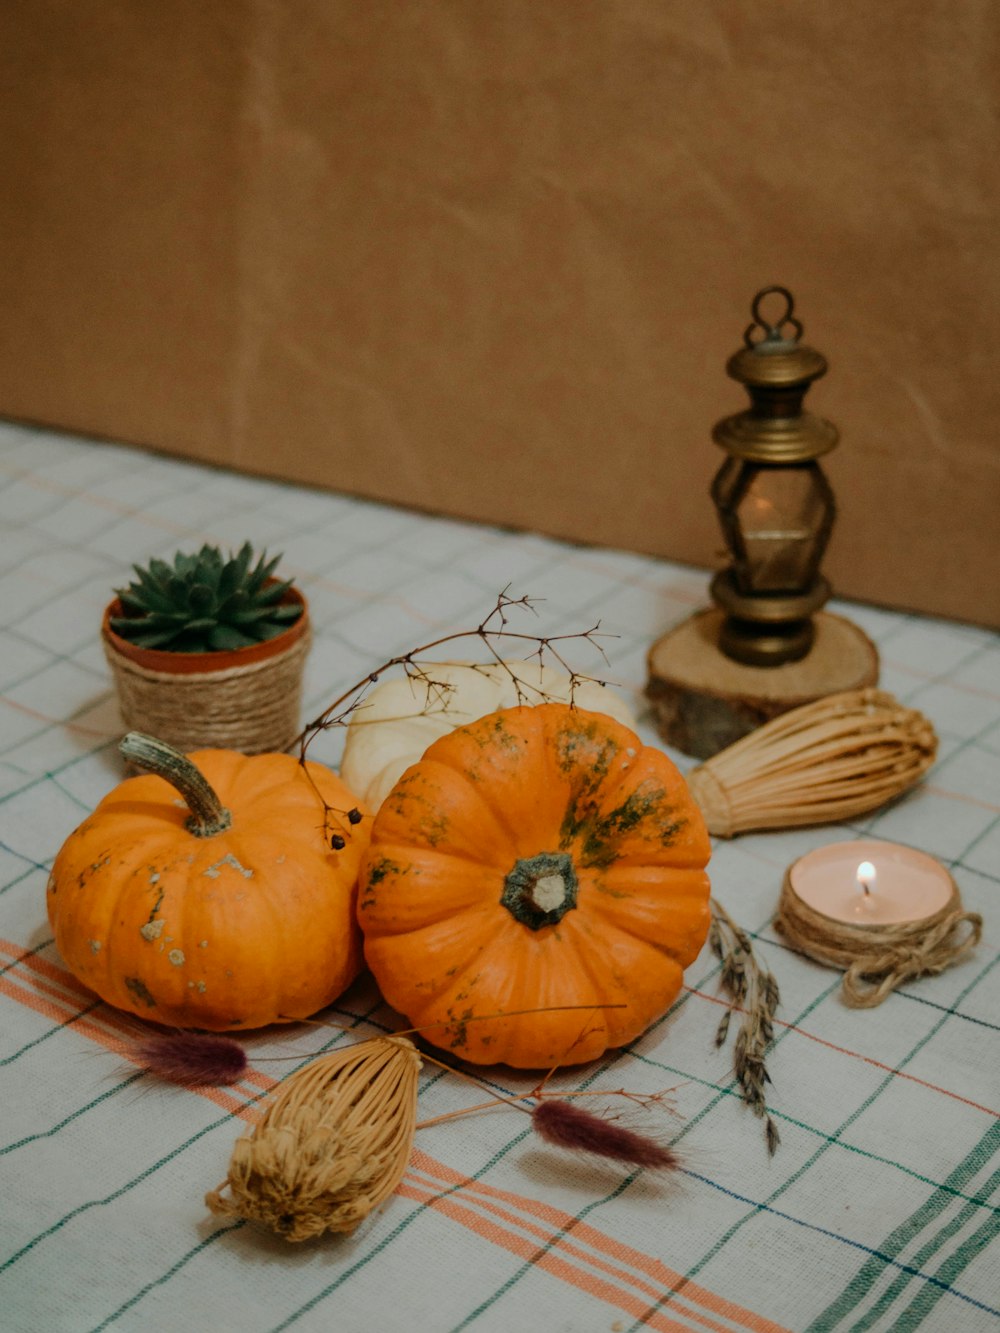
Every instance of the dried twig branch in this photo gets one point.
(490, 632)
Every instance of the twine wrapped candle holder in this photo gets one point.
(881, 940)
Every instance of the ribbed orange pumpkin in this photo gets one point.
(540, 857)
(183, 920)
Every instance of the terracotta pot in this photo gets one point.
(246, 699)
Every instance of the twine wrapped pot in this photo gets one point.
(249, 699)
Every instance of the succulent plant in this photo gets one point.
(205, 603)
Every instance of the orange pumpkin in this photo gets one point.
(537, 858)
(225, 910)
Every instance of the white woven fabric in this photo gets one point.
(880, 1209)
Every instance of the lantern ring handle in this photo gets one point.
(772, 332)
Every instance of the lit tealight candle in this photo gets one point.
(866, 878)
(882, 912)
(877, 882)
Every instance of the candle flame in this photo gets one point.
(866, 876)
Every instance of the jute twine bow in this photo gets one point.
(254, 708)
(877, 958)
(332, 1144)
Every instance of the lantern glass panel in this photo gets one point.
(780, 518)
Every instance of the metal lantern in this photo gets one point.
(775, 505)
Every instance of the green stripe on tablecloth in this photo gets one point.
(863, 1281)
(952, 1266)
(925, 1301)
(58, 1027)
(74, 1115)
(176, 1267)
(831, 1139)
(557, 1237)
(151, 1170)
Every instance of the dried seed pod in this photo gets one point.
(827, 762)
(332, 1145)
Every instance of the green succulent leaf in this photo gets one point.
(285, 615)
(130, 602)
(241, 563)
(159, 570)
(224, 638)
(272, 594)
(204, 602)
(263, 571)
(251, 616)
(201, 597)
(161, 639)
(148, 592)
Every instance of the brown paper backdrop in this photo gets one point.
(488, 257)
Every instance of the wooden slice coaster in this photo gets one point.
(703, 701)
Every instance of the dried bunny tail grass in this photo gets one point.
(564, 1125)
(191, 1059)
(332, 1144)
(824, 763)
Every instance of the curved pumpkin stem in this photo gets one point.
(208, 815)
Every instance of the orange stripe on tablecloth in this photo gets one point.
(545, 1259)
(63, 1010)
(45, 968)
(566, 1246)
(122, 1022)
(855, 1055)
(929, 675)
(598, 1240)
(935, 790)
(60, 1012)
(55, 993)
(54, 721)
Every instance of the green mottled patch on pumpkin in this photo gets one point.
(433, 827)
(137, 987)
(401, 794)
(575, 746)
(382, 867)
(600, 886)
(601, 835)
(469, 986)
(501, 735)
(103, 860)
(460, 1025)
(491, 733)
(418, 806)
(377, 872)
(585, 757)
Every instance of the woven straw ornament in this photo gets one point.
(824, 763)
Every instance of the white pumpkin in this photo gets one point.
(400, 718)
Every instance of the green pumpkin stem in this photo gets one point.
(540, 890)
(208, 815)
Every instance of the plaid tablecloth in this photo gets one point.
(880, 1208)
